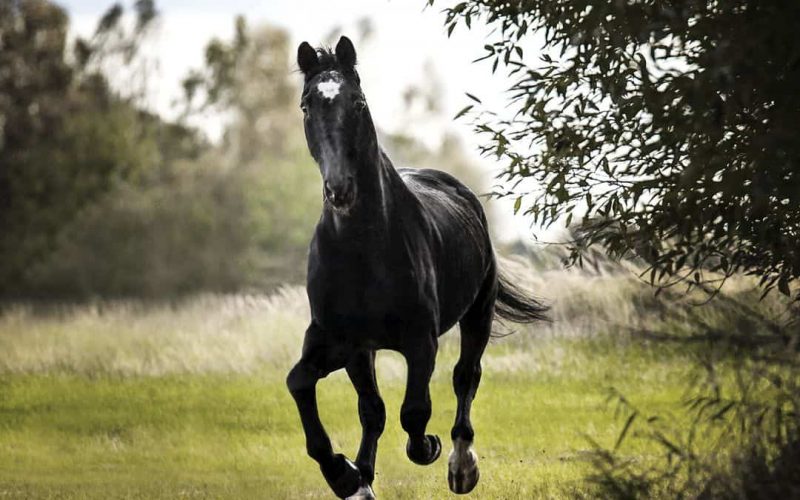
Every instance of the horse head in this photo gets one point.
(339, 130)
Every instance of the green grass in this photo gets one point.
(130, 400)
(236, 435)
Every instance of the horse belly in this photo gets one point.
(462, 266)
(457, 290)
(364, 310)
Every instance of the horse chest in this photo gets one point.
(360, 296)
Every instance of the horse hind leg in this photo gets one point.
(476, 326)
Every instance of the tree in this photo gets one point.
(65, 137)
(663, 128)
(249, 82)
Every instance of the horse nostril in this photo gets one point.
(329, 193)
(339, 194)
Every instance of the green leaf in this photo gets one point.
(473, 98)
(517, 204)
(625, 430)
(464, 111)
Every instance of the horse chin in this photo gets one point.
(343, 210)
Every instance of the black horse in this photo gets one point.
(399, 257)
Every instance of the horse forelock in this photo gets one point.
(327, 62)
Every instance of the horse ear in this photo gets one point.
(306, 57)
(346, 53)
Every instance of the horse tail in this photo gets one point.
(514, 304)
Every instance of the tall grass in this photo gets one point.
(204, 334)
(246, 333)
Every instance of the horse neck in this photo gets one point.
(378, 185)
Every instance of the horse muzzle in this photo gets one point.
(340, 195)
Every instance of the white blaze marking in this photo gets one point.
(329, 89)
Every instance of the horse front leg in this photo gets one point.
(372, 413)
(415, 413)
(319, 358)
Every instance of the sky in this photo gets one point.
(408, 41)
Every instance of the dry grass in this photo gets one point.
(206, 334)
(249, 333)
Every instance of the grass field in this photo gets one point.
(188, 400)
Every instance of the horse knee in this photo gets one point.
(373, 415)
(300, 378)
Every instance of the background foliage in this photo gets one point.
(101, 197)
(665, 129)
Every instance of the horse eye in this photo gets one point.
(304, 107)
(360, 104)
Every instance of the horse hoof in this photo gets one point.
(363, 493)
(462, 473)
(434, 449)
(344, 477)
